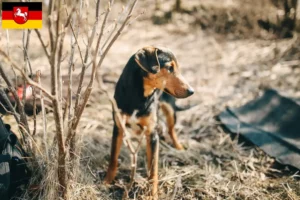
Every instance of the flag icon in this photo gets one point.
(22, 15)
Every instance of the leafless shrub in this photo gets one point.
(67, 114)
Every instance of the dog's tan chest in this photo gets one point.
(138, 124)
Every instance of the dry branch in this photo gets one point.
(57, 30)
(87, 53)
(42, 43)
(88, 90)
(56, 103)
(29, 80)
(27, 63)
(38, 76)
(34, 110)
(126, 140)
(117, 34)
(10, 106)
(23, 118)
(94, 70)
(50, 30)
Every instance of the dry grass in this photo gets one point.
(224, 72)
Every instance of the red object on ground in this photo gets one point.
(20, 91)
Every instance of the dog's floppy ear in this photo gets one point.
(147, 59)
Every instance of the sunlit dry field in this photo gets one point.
(228, 60)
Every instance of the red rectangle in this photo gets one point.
(7, 15)
(32, 15)
(35, 15)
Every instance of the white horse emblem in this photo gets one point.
(20, 14)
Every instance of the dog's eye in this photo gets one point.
(171, 69)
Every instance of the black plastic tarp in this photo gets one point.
(272, 122)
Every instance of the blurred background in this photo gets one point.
(229, 51)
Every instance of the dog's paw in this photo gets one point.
(179, 147)
(107, 180)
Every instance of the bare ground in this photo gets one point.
(224, 70)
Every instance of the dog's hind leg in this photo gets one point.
(170, 115)
(152, 161)
(117, 140)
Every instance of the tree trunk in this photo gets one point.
(157, 4)
(178, 5)
(297, 16)
(286, 24)
(290, 7)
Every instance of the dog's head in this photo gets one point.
(163, 72)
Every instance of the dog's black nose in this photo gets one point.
(190, 91)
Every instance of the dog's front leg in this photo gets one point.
(152, 162)
(115, 152)
(171, 120)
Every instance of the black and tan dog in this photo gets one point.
(147, 72)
